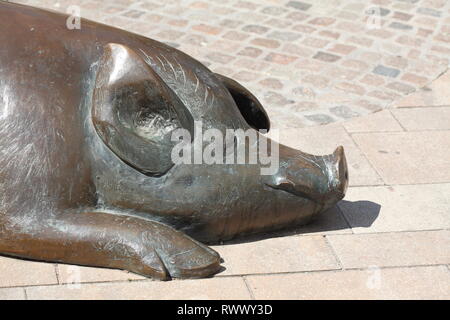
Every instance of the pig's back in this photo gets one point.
(47, 75)
(42, 150)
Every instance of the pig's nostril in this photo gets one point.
(281, 181)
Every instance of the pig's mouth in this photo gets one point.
(288, 186)
(305, 193)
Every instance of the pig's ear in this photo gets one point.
(135, 112)
(251, 109)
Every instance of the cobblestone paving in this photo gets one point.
(309, 62)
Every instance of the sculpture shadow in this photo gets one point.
(345, 215)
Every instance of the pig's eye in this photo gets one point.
(135, 112)
(249, 106)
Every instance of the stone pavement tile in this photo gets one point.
(12, 294)
(77, 274)
(412, 119)
(202, 289)
(397, 208)
(435, 94)
(392, 283)
(284, 254)
(392, 249)
(16, 272)
(408, 157)
(376, 122)
(323, 140)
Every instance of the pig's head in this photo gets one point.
(142, 97)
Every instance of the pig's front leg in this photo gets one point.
(100, 239)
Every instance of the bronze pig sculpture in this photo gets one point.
(86, 175)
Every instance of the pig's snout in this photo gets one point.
(339, 178)
(322, 179)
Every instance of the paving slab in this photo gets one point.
(78, 274)
(416, 119)
(284, 254)
(408, 157)
(397, 208)
(16, 272)
(382, 121)
(12, 294)
(199, 289)
(392, 249)
(396, 283)
(435, 94)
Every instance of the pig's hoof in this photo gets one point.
(176, 255)
(198, 262)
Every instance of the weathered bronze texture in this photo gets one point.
(86, 175)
